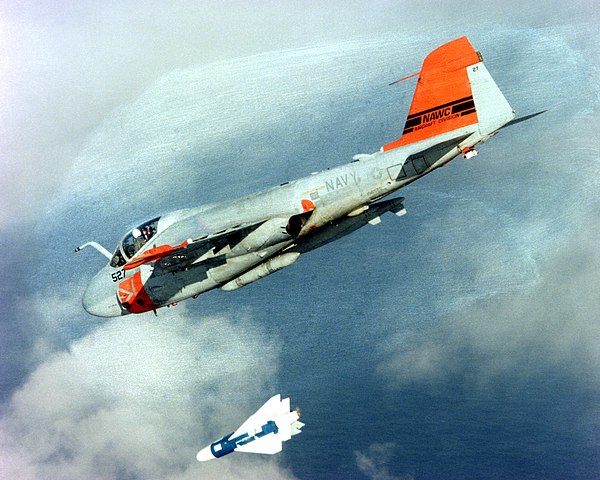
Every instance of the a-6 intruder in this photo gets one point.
(227, 245)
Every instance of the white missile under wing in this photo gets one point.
(263, 432)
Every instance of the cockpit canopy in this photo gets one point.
(133, 241)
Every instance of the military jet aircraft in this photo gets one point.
(456, 105)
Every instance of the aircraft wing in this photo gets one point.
(273, 407)
(268, 445)
(180, 256)
(204, 244)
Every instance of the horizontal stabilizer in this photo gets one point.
(297, 427)
(522, 119)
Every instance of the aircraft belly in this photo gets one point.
(167, 288)
(237, 265)
(171, 288)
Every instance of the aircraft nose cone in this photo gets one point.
(100, 298)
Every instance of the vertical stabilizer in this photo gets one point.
(454, 92)
(493, 110)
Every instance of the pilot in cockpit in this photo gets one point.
(147, 232)
(138, 239)
(134, 241)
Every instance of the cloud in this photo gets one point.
(66, 67)
(553, 325)
(509, 284)
(138, 397)
(374, 462)
(71, 77)
(52, 318)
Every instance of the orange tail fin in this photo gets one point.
(443, 99)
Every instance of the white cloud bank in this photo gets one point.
(138, 398)
(551, 326)
(66, 66)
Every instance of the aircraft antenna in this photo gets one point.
(404, 78)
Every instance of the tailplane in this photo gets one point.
(454, 92)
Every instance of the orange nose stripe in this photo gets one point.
(133, 296)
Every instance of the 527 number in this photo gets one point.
(120, 275)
